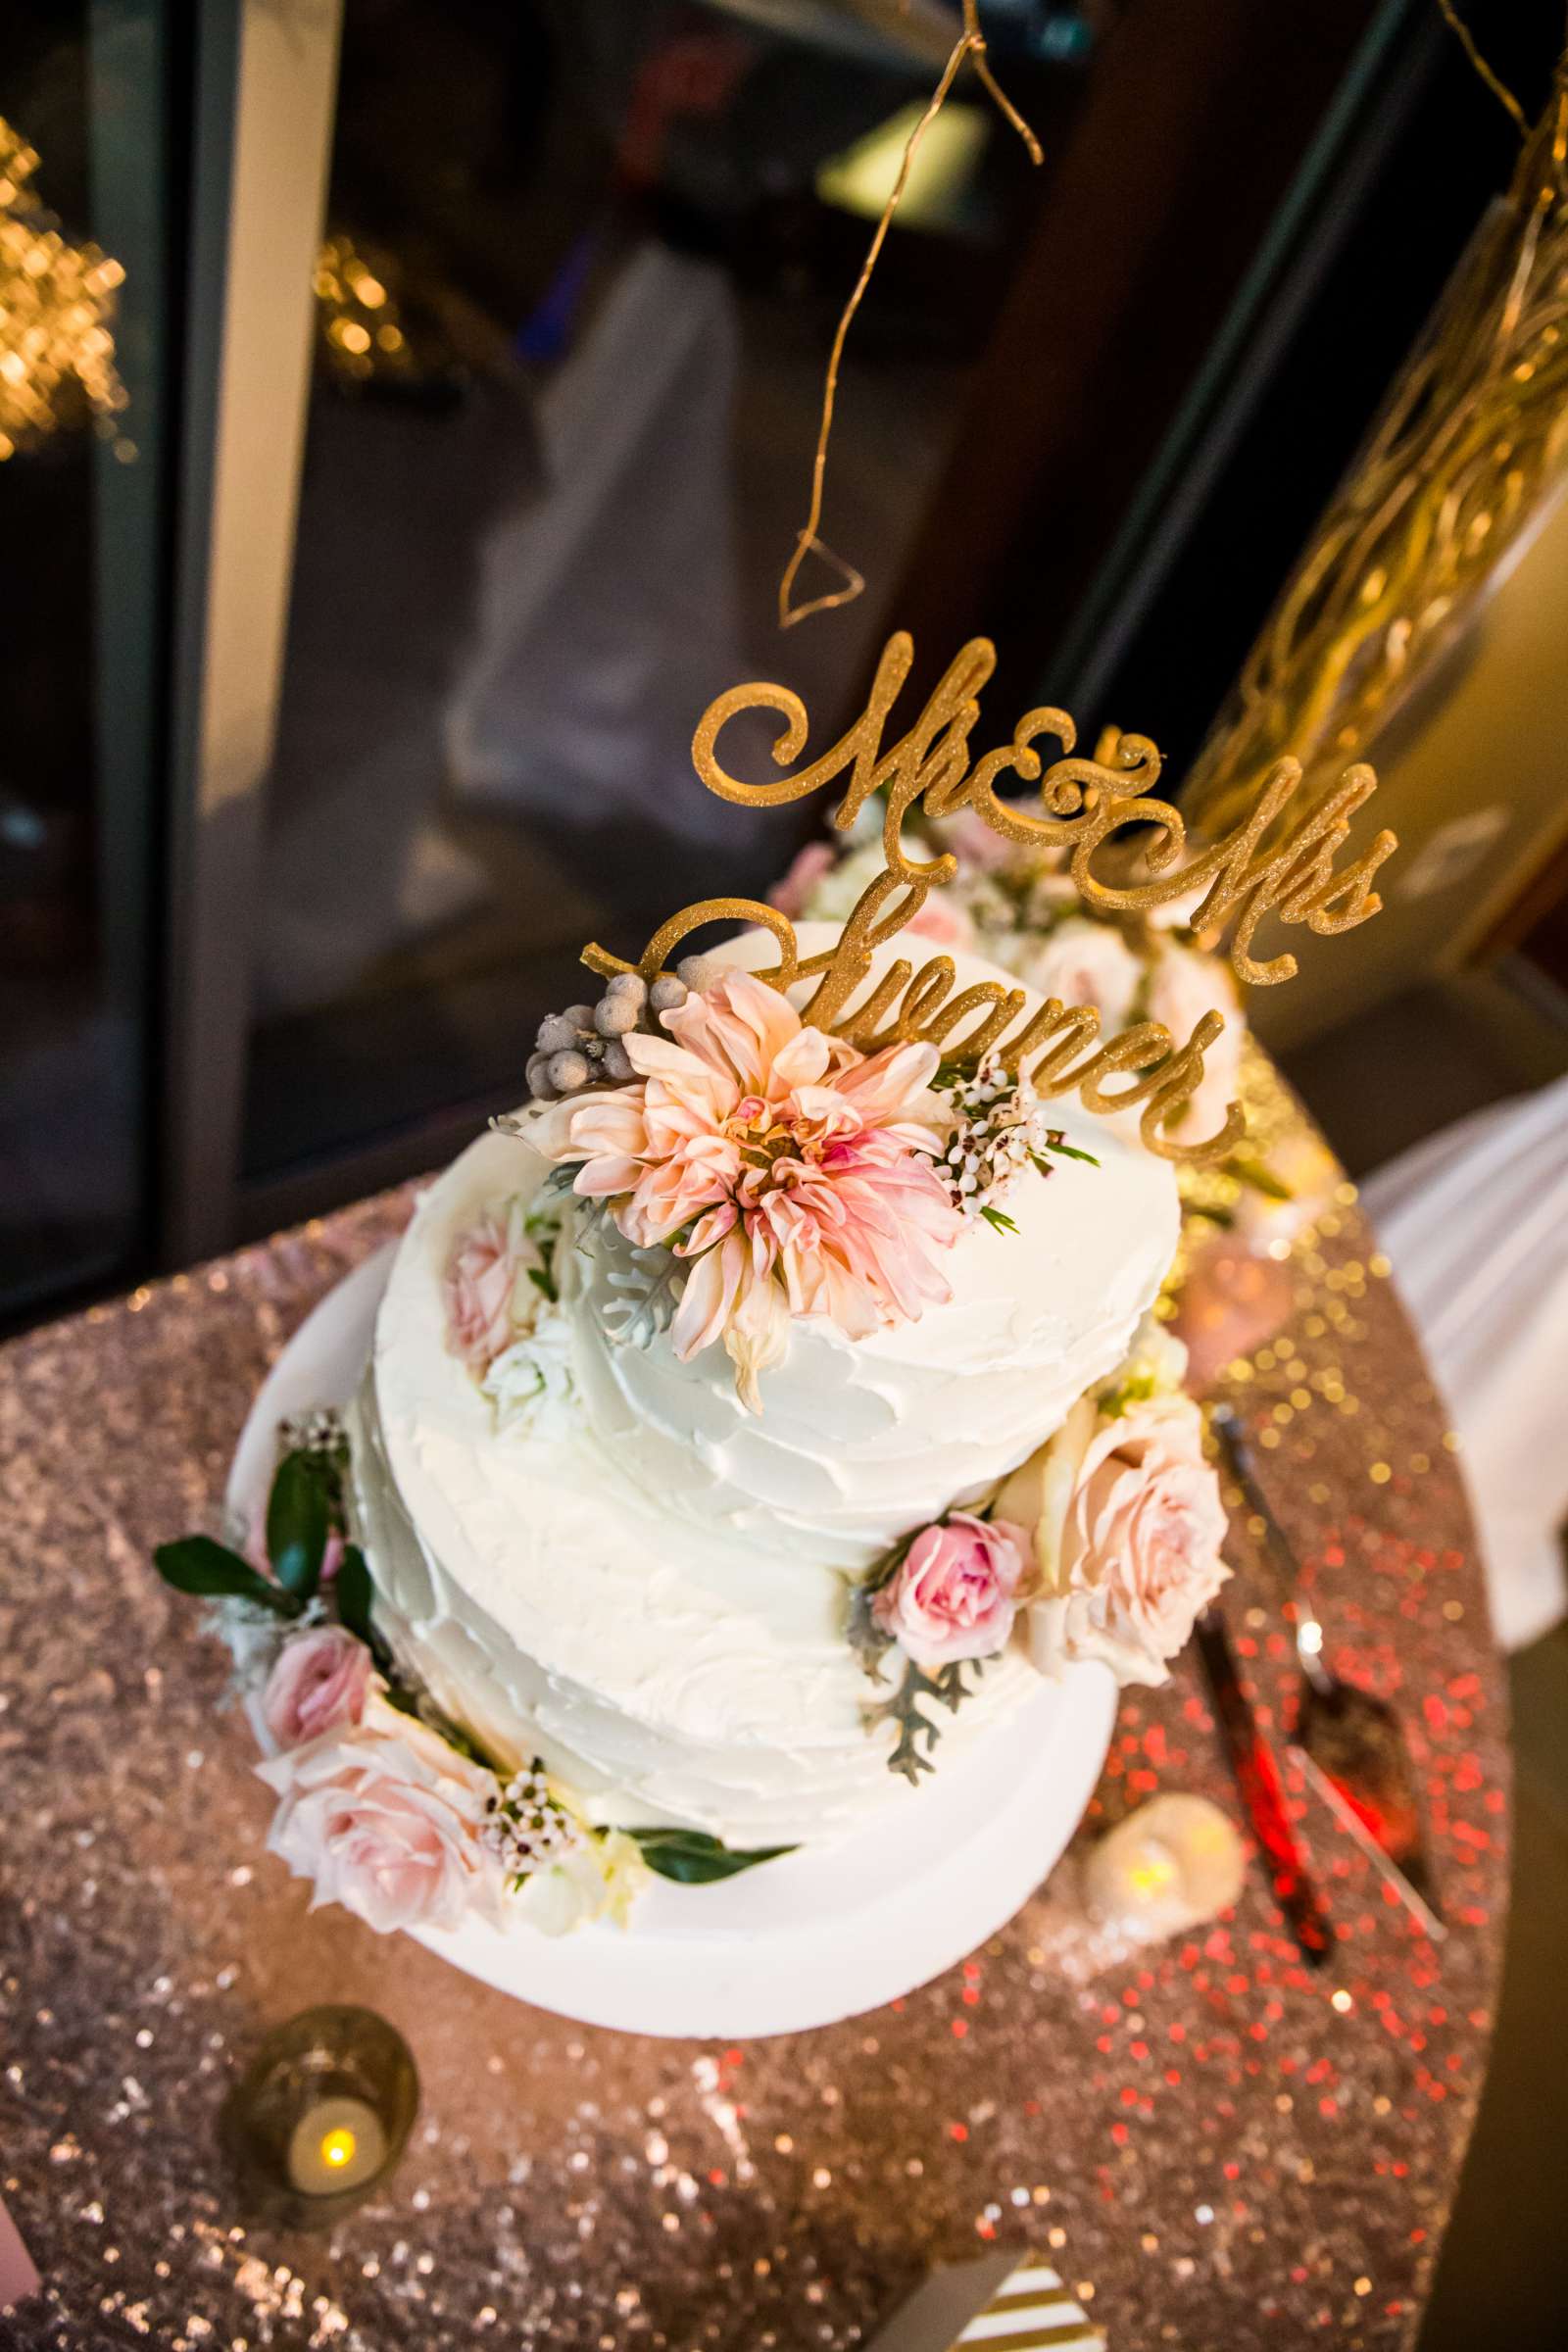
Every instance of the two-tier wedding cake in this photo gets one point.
(591, 1549)
(730, 1514)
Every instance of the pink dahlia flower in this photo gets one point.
(795, 1172)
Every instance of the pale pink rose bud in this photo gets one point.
(1186, 984)
(955, 1593)
(810, 864)
(481, 1283)
(320, 1680)
(945, 923)
(973, 841)
(1085, 962)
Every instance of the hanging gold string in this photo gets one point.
(969, 44)
(1494, 81)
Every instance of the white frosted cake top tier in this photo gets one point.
(862, 1439)
(657, 1601)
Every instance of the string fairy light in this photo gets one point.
(57, 305)
(970, 45)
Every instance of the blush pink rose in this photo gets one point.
(973, 843)
(1084, 963)
(943, 920)
(1139, 1548)
(955, 1595)
(385, 1819)
(792, 896)
(322, 1680)
(482, 1274)
(1186, 984)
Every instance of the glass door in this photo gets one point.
(86, 95)
(571, 306)
(507, 356)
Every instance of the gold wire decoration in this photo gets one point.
(1494, 81)
(1474, 435)
(57, 305)
(1268, 863)
(970, 44)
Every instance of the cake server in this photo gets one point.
(1257, 1782)
(1350, 1745)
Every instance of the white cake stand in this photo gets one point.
(803, 1942)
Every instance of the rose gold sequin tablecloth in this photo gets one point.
(1218, 2149)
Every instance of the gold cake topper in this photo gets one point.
(1261, 866)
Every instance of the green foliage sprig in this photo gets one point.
(304, 1510)
(306, 1506)
(946, 1687)
(694, 1859)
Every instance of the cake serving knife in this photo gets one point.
(1348, 1745)
(1257, 1782)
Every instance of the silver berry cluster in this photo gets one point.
(584, 1046)
(524, 1827)
(999, 1132)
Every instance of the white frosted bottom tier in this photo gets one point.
(818, 1936)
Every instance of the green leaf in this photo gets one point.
(299, 1519)
(198, 1565)
(1063, 1149)
(694, 1859)
(999, 1218)
(353, 1591)
(540, 1278)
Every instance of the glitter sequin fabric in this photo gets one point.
(1212, 2145)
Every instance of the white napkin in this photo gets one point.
(1475, 1222)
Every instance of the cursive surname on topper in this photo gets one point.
(1083, 802)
